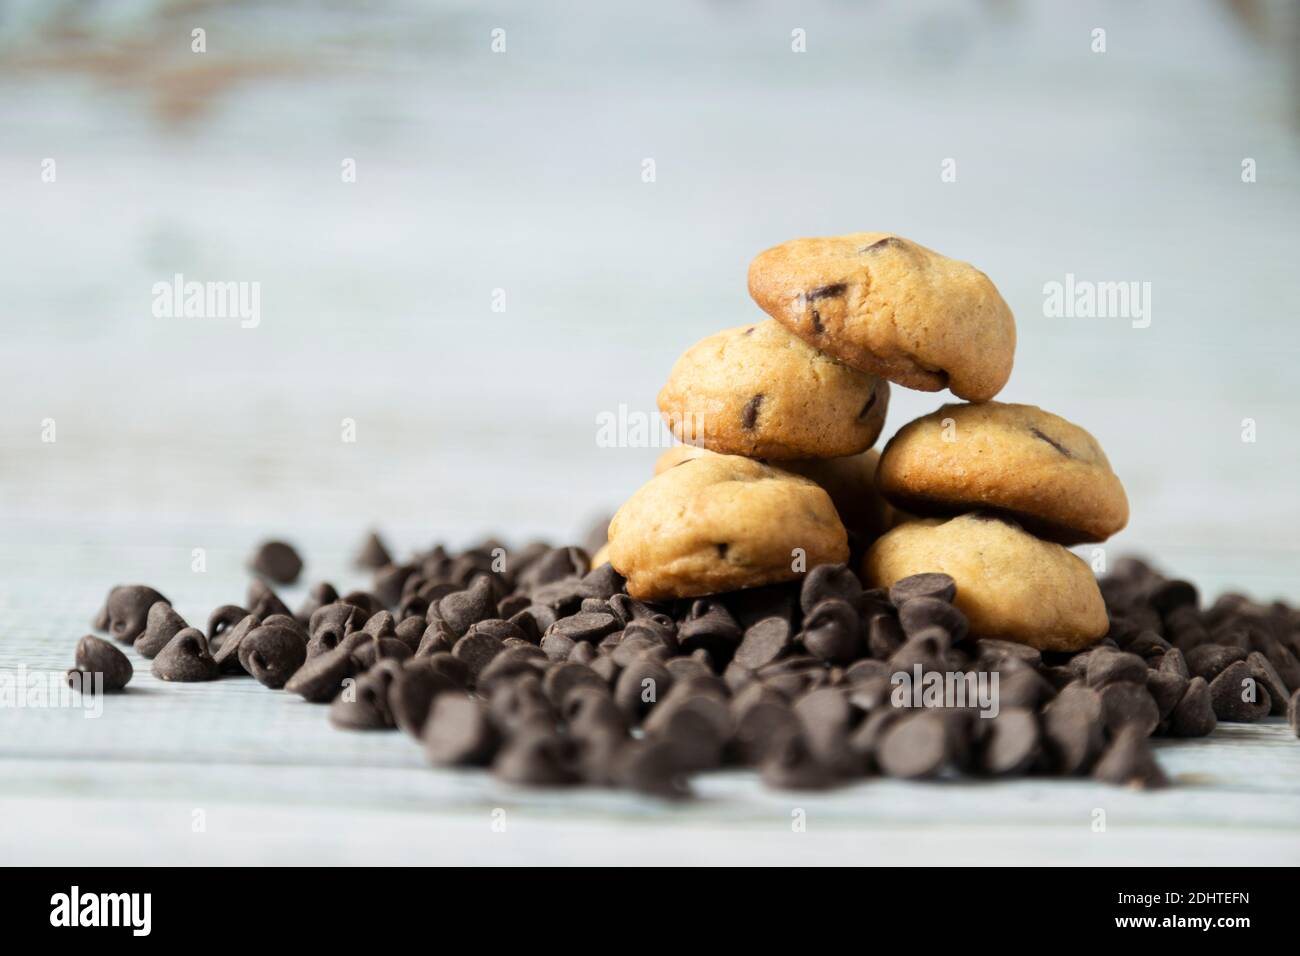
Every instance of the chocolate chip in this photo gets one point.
(277, 561)
(320, 678)
(870, 403)
(585, 626)
(1125, 704)
(272, 654)
(369, 650)
(829, 581)
(832, 632)
(382, 624)
(914, 747)
(97, 656)
(563, 679)
(321, 594)
(1023, 687)
(128, 610)
(749, 414)
(1194, 715)
(554, 566)
(826, 718)
(753, 604)
(450, 667)
(714, 631)
(437, 637)
(1172, 594)
(884, 636)
(557, 646)
(764, 642)
(162, 624)
(1167, 689)
(222, 620)
(1106, 666)
(687, 668)
(537, 756)
(603, 582)
(1148, 645)
(1237, 696)
(789, 764)
(346, 617)
(411, 694)
(372, 553)
(994, 651)
(390, 582)
(185, 659)
(1266, 676)
(642, 684)
(1061, 449)
(827, 291)
(1011, 742)
(363, 702)
(517, 703)
(264, 602)
(1211, 660)
(1174, 663)
(1128, 761)
(476, 651)
(651, 767)
(463, 608)
(929, 585)
(410, 631)
(606, 668)
(1072, 725)
(760, 726)
(920, 613)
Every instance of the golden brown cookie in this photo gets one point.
(891, 307)
(719, 523)
(1010, 584)
(850, 481)
(674, 456)
(1051, 476)
(756, 390)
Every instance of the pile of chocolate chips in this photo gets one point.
(550, 674)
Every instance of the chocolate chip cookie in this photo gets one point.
(850, 481)
(888, 306)
(719, 523)
(1010, 584)
(756, 390)
(1051, 476)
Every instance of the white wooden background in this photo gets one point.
(522, 171)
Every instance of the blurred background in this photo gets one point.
(516, 177)
(521, 170)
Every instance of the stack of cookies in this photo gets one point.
(777, 473)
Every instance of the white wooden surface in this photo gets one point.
(523, 172)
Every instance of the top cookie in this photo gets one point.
(1049, 474)
(757, 390)
(719, 523)
(888, 306)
